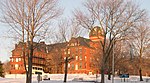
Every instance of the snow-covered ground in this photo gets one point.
(72, 78)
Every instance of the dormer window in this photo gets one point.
(72, 44)
(75, 44)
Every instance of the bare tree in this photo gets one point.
(67, 30)
(54, 58)
(28, 18)
(141, 42)
(115, 17)
(6, 67)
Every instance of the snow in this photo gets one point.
(72, 78)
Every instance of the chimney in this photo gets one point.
(15, 45)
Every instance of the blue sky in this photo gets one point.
(7, 44)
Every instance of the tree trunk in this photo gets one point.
(27, 77)
(24, 59)
(140, 72)
(30, 62)
(109, 75)
(66, 69)
(102, 73)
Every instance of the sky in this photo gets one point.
(8, 44)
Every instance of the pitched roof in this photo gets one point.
(81, 41)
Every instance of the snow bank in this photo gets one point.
(58, 78)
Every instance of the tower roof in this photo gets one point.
(96, 33)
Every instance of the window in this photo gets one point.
(19, 67)
(80, 65)
(97, 59)
(64, 51)
(85, 58)
(75, 44)
(16, 66)
(76, 50)
(72, 44)
(12, 60)
(16, 59)
(72, 66)
(80, 57)
(84, 50)
(40, 56)
(19, 59)
(73, 55)
(42, 62)
(68, 51)
(76, 67)
(12, 66)
(46, 49)
(68, 65)
(76, 57)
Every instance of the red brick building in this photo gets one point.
(17, 61)
(50, 58)
(80, 50)
(84, 51)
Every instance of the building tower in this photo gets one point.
(96, 34)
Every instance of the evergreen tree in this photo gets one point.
(1, 69)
